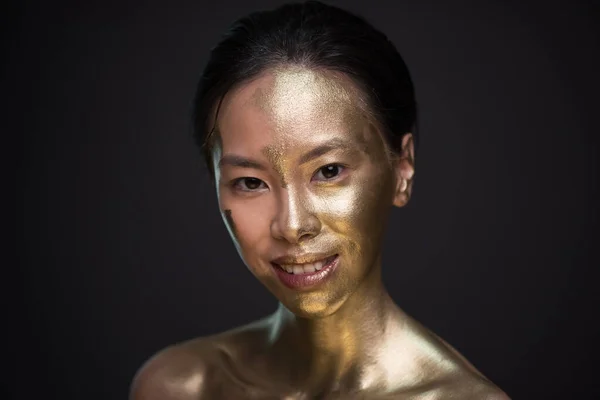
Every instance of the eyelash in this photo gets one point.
(236, 183)
(339, 166)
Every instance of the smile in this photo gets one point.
(305, 275)
(306, 268)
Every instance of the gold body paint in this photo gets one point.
(301, 109)
(345, 338)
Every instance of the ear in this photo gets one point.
(404, 169)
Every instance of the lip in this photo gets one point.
(304, 281)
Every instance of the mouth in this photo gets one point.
(306, 267)
(306, 275)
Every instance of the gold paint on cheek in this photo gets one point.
(359, 208)
(357, 213)
(354, 218)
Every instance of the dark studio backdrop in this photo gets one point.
(122, 250)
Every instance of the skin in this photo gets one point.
(301, 167)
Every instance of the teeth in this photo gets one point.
(308, 268)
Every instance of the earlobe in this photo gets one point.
(402, 194)
(404, 170)
(403, 185)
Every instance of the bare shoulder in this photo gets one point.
(178, 372)
(196, 369)
(455, 385)
(496, 394)
(484, 391)
(448, 373)
(465, 382)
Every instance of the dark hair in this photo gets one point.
(313, 35)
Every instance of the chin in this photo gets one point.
(313, 305)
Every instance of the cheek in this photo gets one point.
(357, 213)
(248, 225)
(361, 205)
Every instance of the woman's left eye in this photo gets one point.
(328, 172)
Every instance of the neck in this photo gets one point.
(337, 348)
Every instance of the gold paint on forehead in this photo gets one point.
(297, 91)
(297, 100)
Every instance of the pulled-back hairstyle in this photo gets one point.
(312, 35)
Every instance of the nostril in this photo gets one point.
(294, 222)
(305, 236)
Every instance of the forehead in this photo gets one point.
(291, 107)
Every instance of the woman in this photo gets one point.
(305, 115)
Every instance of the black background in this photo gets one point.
(122, 250)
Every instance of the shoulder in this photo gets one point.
(496, 395)
(196, 369)
(178, 372)
(448, 373)
(465, 382)
(487, 391)
(456, 386)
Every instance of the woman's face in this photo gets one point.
(305, 184)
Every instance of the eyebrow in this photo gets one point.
(239, 161)
(333, 144)
(244, 162)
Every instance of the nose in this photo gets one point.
(294, 220)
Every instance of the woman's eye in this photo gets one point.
(248, 184)
(328, 172)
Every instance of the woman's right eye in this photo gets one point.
(249, 184)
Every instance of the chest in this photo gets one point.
(228, 384)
